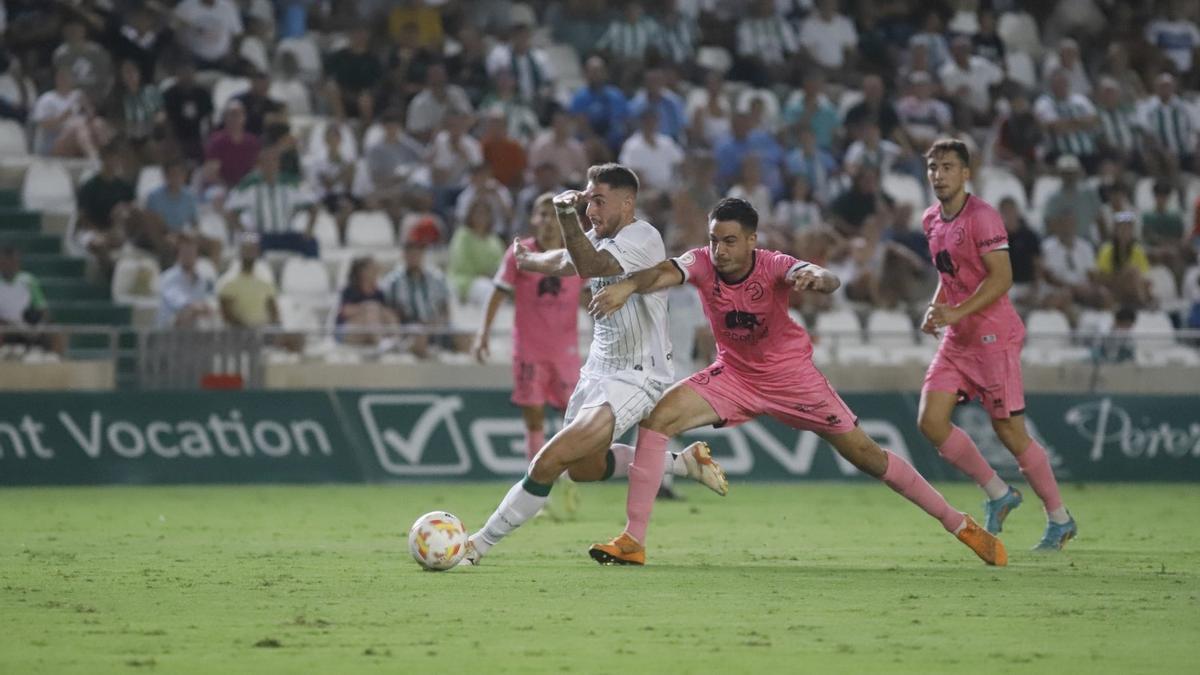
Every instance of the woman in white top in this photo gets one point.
(708, 110)
(795, 215)
(67, 123)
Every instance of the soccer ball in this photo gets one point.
(437, 541)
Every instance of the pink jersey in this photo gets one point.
(957, 246)
(544, 328)
(749, 318)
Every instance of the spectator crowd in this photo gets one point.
(429, 127)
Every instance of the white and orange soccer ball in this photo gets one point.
(437, 541)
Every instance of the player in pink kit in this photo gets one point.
(980, 354)
(764, 367)
(545, 334)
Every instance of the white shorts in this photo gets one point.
(630, 394)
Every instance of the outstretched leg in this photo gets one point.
(1035, 466)
(588, 434)
(678, 410)
(864, 453)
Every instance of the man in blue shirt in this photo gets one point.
(174, 201)
(744, 139)
(666, 103)
(187, 297)
(602, 105)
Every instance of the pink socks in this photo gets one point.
(1036, 468)
(962, 454)
(645, 475)
(903, 478)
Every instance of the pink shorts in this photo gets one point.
(804, 401)
(536, 383)
(993, 377)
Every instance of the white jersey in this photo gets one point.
(635, 337)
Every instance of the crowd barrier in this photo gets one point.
(175, 437)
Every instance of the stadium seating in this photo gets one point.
(47, 186)
(1048, 328)
(149, 179)
(997, 183)
(1044, 187)
(1155, 326)
(308, 55)
(370, 229)
(1164, 290)
(225, 90)
(1143, 195)
(306, 278)
(14, 148)
(906, 189)
(839, 327)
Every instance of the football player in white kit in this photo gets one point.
(628, 367)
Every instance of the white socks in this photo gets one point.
(996, 487)
(1059, 515)
(518, 506)
(623, 454)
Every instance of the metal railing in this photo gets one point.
(183, 359)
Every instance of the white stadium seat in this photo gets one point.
(304, 277)
(48, 187)
(889, 327)
(135, 281)
(1048, 328)
(308, 55)
(225, 90)
(839, 327)
(905, 189)
(253, 50)
(150, 178)
(370, 229)
(1191, 286)
(212, 225)
(869, 355)
(1143, 195)
(1043, 188)
(12, 140)
(1155, 326)
(1162, 287)
(714, 58)
(998, 183)
(1021, 68)
(324, 229)
(1095, 322)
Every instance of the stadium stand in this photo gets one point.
(378, 191)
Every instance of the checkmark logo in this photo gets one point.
(405, 430)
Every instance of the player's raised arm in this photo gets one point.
(810, 277)
(556, 263)
(612, 297)
(587, 260)
(995, 285)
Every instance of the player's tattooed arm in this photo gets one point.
(810, 277)
(613, 296)
(588, 261)
(556, 263)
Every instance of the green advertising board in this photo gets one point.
(313, 436)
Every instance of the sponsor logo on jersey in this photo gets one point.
(998, 239)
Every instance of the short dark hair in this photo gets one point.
(1126, 314)
(954, 145)
(1163, 187)
(614, 175)
(740, 210)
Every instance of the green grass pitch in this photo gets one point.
(820, 578)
